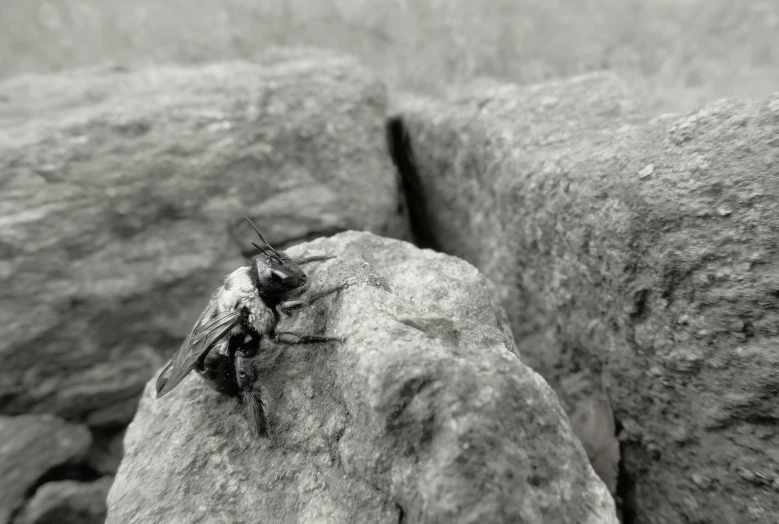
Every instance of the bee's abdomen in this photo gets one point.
(219, 371)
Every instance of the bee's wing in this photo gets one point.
(208, 330)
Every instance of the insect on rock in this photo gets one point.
(243, 311)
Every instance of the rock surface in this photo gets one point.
(464, 154)
(30, 447)
(67, 502)
(648, 261)
(679, 54)
(423, 414)
(121, 196)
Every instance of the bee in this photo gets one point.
(244, 310)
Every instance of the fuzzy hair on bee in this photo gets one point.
(243, 311)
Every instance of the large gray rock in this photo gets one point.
(122, 196)
(678, 53)
(423, 414)
(636, 257)
(30, 447)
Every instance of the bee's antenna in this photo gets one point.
(263, 240)
(261, 249)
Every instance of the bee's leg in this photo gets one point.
(246, 377)
(288, 306)
(318, 258)
(218, 369)
(290, 338)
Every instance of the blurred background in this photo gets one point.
(676, 55)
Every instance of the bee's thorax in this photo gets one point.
(239, 292)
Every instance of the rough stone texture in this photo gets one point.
(424, 414)
(649, 260)
(30, 447)
(679, 54)
(121, 196)
(466, 150)
(67, 502)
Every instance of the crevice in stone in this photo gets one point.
(640, 310)
(107, 449)
(401, 514)
(79, 472)
(402, 155)
(626, 487)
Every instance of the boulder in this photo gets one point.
(122, 197)
(638, 257)
(32, 446)
(423, 414)
(67, 502)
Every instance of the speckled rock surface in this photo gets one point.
(423, 414)
(121, 195)
(641, 257)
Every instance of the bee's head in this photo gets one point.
(276, 274)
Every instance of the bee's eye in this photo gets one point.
(278, 276)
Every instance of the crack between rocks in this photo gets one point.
(76, 471)
(79, 472)
(402, 155)
(625, 499)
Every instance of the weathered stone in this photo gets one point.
(475, 139)
(30, 447)
(122, 196)
(679, 54)
(423, 414)
(647, 261)
(67, 502)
